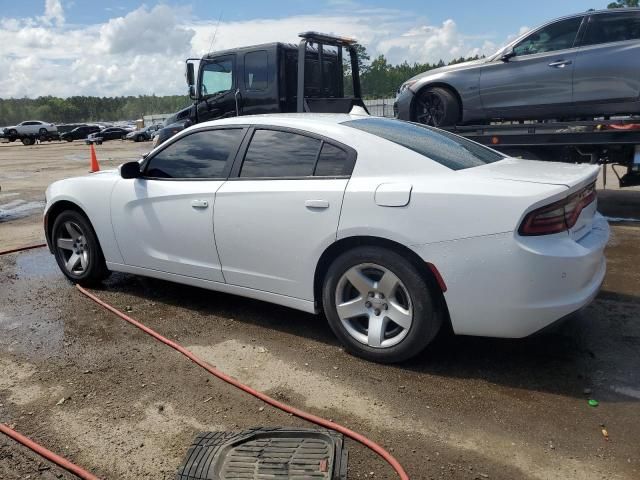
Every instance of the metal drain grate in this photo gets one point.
(266, 453)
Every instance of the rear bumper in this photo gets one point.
(510, 286)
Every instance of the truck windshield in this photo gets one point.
(447, 149)
(217, 76)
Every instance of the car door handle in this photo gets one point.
(560, 63)
(316, 204)
(199, 203)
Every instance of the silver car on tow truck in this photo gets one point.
(583, 65)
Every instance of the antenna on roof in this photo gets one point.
(215, 32)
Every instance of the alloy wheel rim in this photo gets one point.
(73, 248)
(373, 305)
(430, 109)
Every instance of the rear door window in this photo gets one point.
(274, 153)
(612, 27)
(202, 154)
(445, 148)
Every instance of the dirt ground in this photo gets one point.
(467, 408)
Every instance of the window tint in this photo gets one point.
(612, 27)
(280, 154)
(199, 155)
(443, 147)
(332, 161)
(217, 76)
(557, 36)
(256, 70)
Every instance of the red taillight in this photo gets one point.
(559, 216)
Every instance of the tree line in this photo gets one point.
(87, 109)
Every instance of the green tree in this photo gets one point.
(623, 4)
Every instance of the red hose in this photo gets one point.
(48, 454)
(265, 398)
(22, 249)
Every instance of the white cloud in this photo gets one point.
(144, 30)
(143, 51)
(53, 12)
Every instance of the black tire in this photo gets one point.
(68, 139)
(92, 268)
(427, 316)
(139, 138)
(28, 141)
(437, 107)
(43, 132)
(123, 137)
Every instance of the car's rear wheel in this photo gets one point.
(139, 138)
(379, 305)
(437, 107)
(77, 250)
(43, 132)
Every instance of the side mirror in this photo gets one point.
(507, 54)
(192, 92)
(190, 74)
(130, 170)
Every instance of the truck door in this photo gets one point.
(218, 85)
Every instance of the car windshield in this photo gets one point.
(447, 149)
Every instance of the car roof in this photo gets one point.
(292, 120)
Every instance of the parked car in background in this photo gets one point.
(581, 65)
(31, 128)
(144, 134)
(449, 231)
(169, 131)
(109, 133)
(79, 133)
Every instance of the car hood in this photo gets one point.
(551, 173)
(450, 68)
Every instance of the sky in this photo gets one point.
(125, 47)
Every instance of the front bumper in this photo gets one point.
(510, 286)
(402, 105)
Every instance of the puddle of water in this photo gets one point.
(17, 209)
(29, 324)
(37, 264)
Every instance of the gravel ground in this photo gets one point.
(89, 386)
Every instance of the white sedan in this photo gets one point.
(392, 229)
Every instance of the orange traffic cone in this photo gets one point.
(95, 167)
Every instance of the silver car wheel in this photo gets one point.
(73, 248)
(373, 305)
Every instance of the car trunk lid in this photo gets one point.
(579, 180)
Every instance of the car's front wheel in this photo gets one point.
(379, 305)
(77, 250)
(437, 107)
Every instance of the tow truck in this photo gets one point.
(614, 141)
(271, 78)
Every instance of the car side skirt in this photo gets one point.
(286, 301)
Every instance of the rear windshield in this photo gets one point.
(447, 149)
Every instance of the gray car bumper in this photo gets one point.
(402, 105)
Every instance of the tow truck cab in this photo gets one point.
(270, 78)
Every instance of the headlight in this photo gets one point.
(406, 85)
